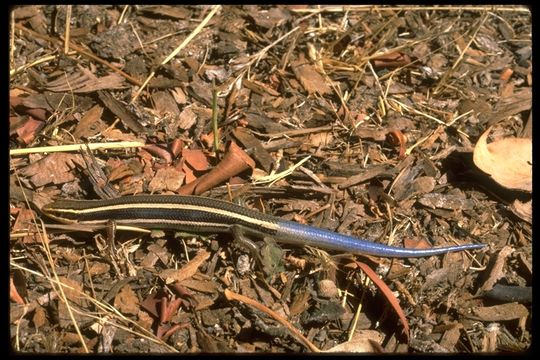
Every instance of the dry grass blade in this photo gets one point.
(76, 147)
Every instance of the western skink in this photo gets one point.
(200, 214)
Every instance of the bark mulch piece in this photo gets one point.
(405, 125)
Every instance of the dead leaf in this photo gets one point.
(508, 161)
(127, 301)
(365, 132)
(522, 209)
(168, 11)
(119, 170)
(55, 168)
(259, 153)
(164, 104)
(40, 318)
(167, 178)
(187, 271)
(99, 268)
(161, 252)
(73, 290)
(90, 124)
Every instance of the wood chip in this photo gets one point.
(187, 271)
(503, 312)
(309, 77)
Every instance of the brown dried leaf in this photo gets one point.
(127, 301)
(190, 175)
(161, 252)
(40, 318)
(391, 60)
(451, 336)
(187, 271)
(521, 100)
(73, 292)
(300, 302)
(121, 110)
(166, 179)
(523, 210)
(149, 261)
(151, 303)
(55, 168)
(259, 153)
(508, 161)
(364, 132)
(179, 96)
(99, 268)
(164, 104)
(90, 124)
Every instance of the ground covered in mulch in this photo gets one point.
(408, 126)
